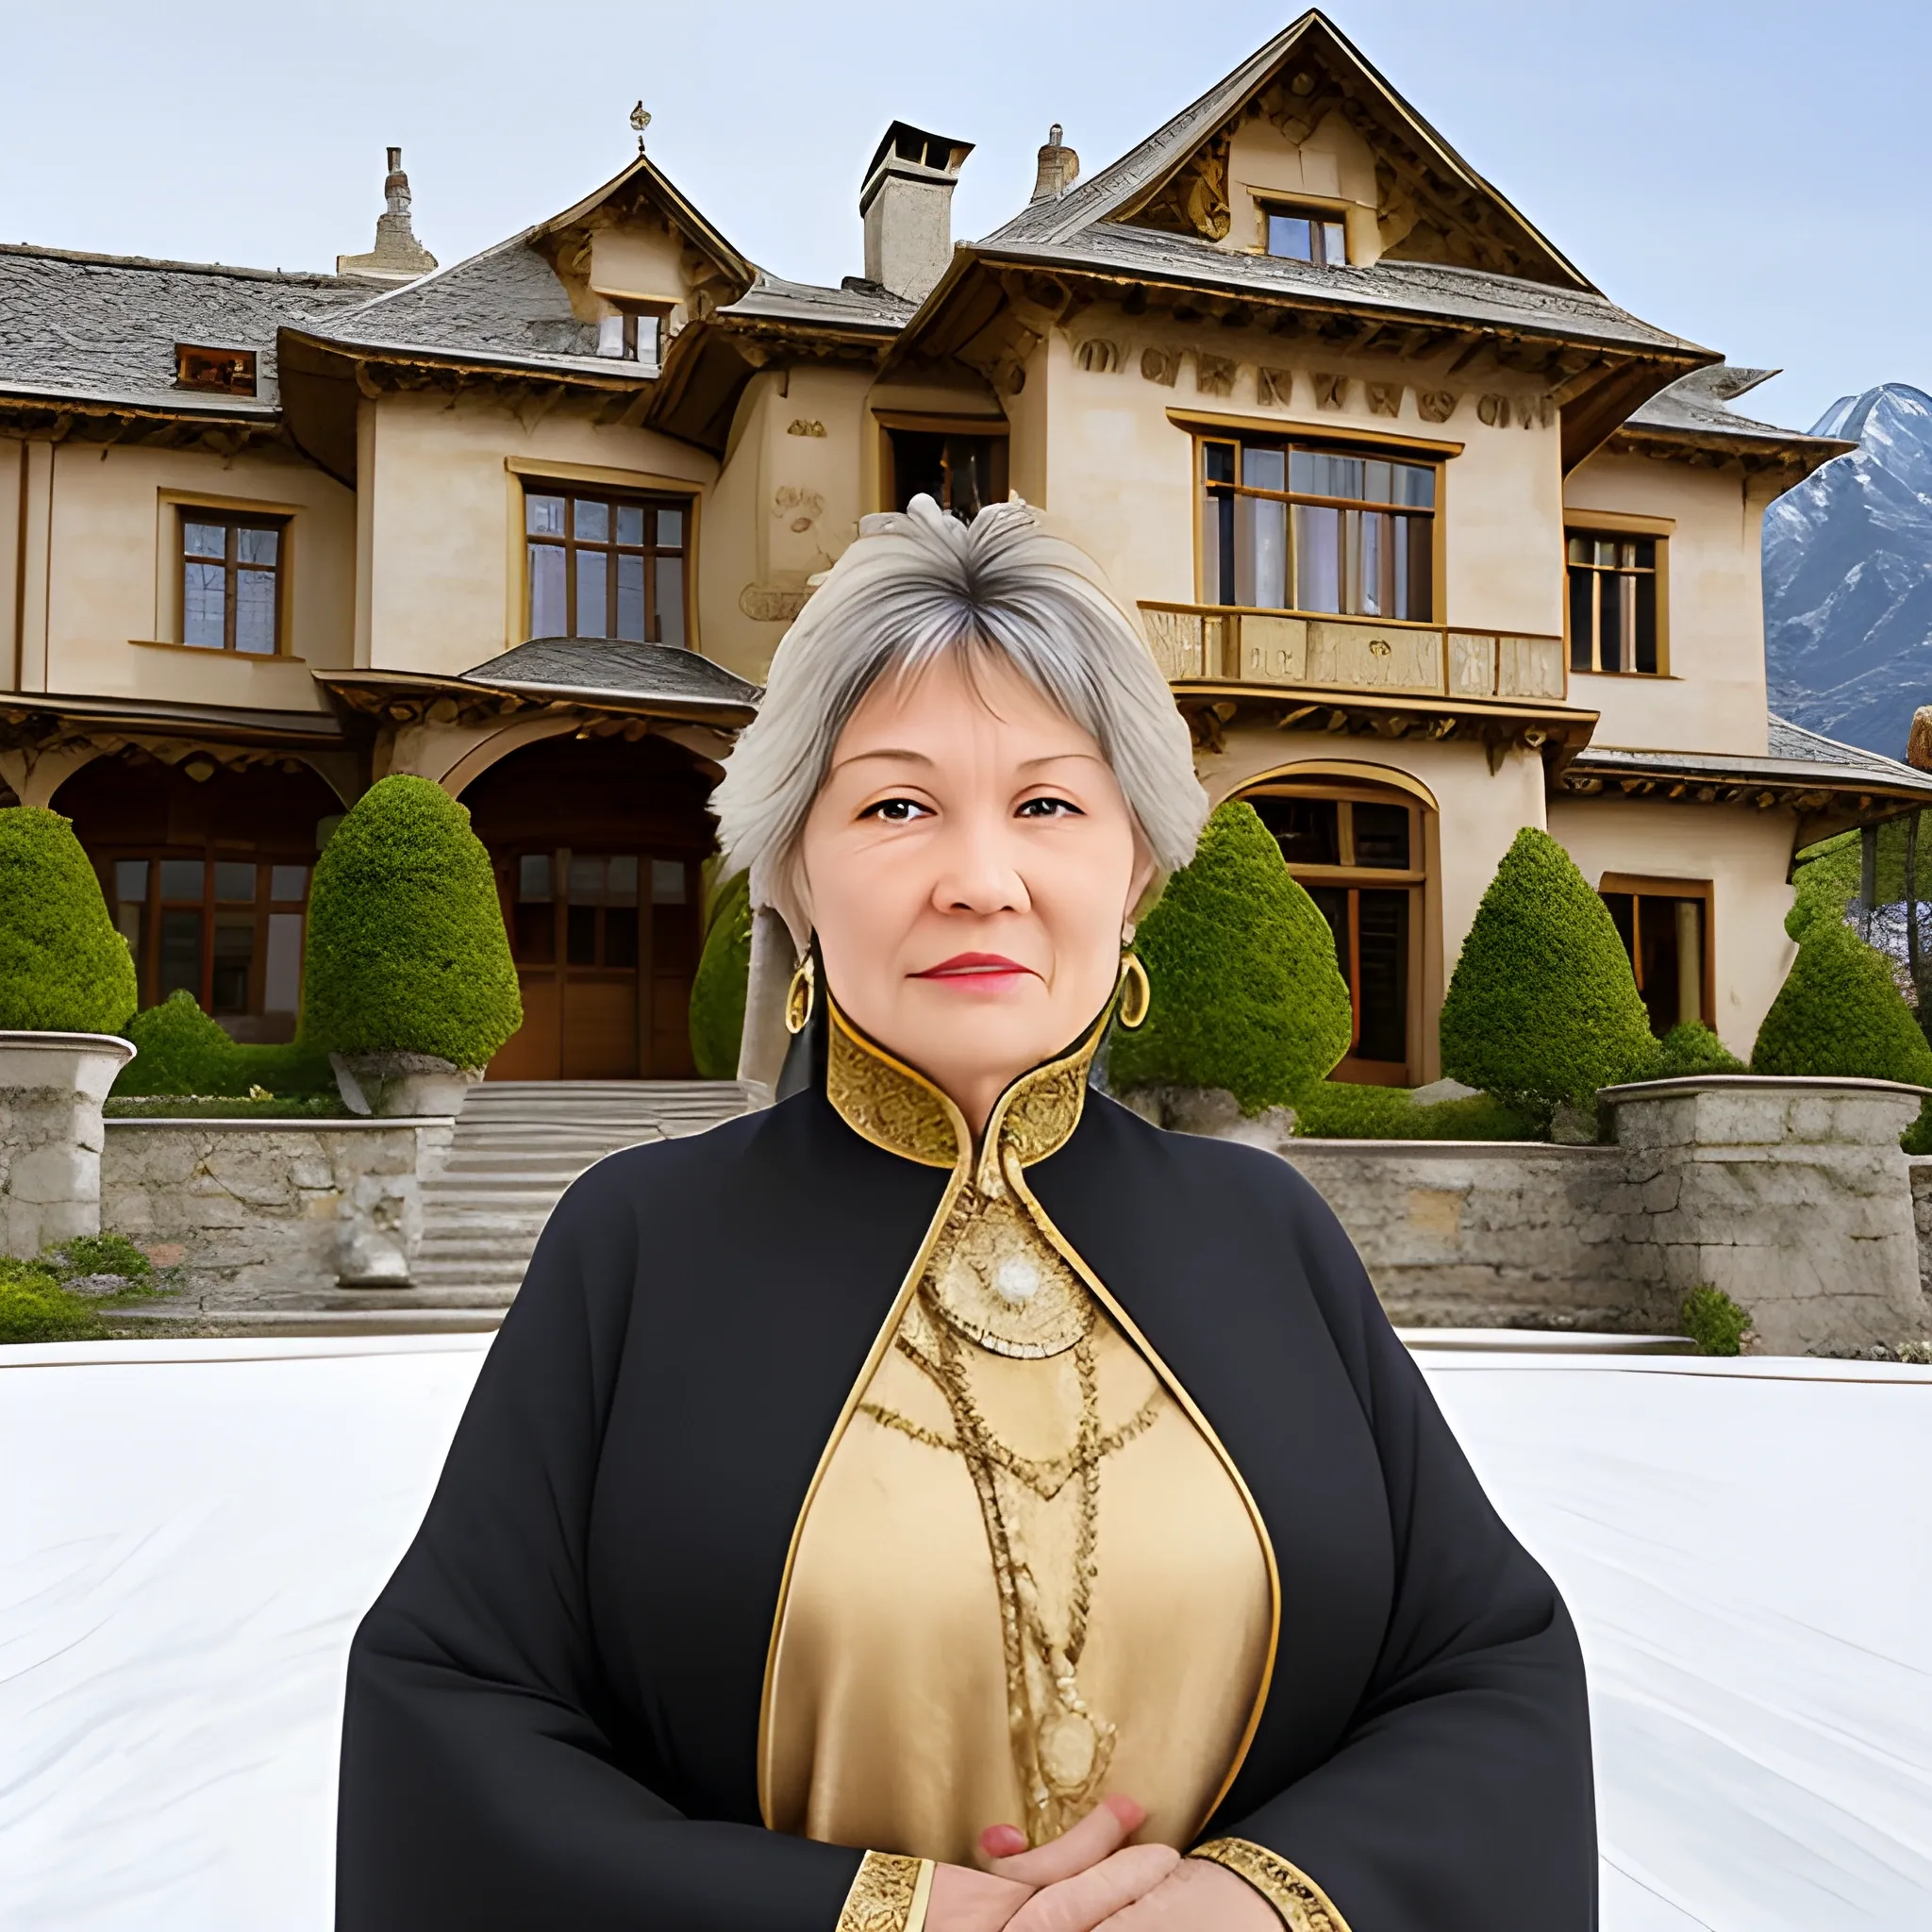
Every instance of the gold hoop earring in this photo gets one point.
(801, 996)
(1136, 994)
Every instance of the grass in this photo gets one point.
(1341, 1111)
(205, 1107)
(36, 1304)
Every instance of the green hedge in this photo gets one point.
(182, 1051)
(406, 951)
(1839, 1012)
(1341, 1111)
(1541, 1007)
(35, 1307)
(63, 968)
(1246, 992)
(1692, 1049)
(718, 992)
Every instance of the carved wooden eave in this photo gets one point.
(143, 423)
(1434, 207)
(990, 310)
(45, 719)
(1825, 806)
(1556, 732)
(383, 698)
(1786, 461)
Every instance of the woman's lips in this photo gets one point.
(984, 970)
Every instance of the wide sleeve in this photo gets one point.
(478, 1788)
(1462, 1794)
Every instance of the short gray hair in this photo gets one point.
(920, 586)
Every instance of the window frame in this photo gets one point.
(1290, 439)
(995, 430)
(231, 518)
(1320, 215)
(1598, 527)
(573, 489)
(1637, 887)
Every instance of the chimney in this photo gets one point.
(906, 204)
(397, 257)
(1059, 167)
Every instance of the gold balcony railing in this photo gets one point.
(1210, 644)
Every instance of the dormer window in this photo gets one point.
(1302, 234)
(221, 372)
(630, 339)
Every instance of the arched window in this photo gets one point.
(1359, 850)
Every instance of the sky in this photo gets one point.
(1751, 176)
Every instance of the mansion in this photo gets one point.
(1432, 539)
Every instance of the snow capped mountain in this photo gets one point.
(1848, 577)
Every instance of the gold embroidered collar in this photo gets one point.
(896, 1107)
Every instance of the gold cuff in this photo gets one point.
(889, 1894)
(1303, 1904)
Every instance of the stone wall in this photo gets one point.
(257, 1212)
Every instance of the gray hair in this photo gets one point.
(920, 586)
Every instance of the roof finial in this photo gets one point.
(639, 119)
(397, 257)
(1059, 167)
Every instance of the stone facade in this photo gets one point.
(257, 1214)
(51, 1089)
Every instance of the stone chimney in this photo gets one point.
(397, 257)
(1059, 167)
(906, 204)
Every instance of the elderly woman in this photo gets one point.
(943, 1500)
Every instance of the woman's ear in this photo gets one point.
(1146, 885)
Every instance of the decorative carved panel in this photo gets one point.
(1494, 411)
(1274, 650)
(800, 425)
(1364, 657)
(1471, 665)
(1178, 640)
(1537, 413)
(1385, 398)
(1331, 392)
(1099, 355)
(1214, 375)
(1194, 201)
(1529, 667)
(764, 605)
(1274, 386)
(1160, 365)
(1436, 405)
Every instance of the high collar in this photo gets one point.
(896, 1107)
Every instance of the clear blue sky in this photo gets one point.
(1752, 177)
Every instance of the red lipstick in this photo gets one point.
(988, 969)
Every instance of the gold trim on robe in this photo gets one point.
(889, 1894)
(1303, 1904)
(831, 1772)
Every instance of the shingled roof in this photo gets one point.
(1696, 409)
(102, 328)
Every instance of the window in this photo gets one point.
(224, 372)
(1357, 852)
(1316, 235)
(961, 473)
(1665, 926)
(231, 581)
(1284, 527)
(1614, 604)
(606, 566)
(228, 930)
(630, 339)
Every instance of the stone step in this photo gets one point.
(411, 1319)
(483, 1249)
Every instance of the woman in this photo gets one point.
(940, 1501)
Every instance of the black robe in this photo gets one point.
(554, 1707)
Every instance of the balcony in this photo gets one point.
(1209, 644)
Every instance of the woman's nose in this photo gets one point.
(977, 873)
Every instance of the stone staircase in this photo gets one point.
(519, 1144)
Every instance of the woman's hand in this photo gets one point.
(1197, 1896)
(1076, 1884)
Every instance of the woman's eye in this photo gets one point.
(896, 811)
(1049, 809)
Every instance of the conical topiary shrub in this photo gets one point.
(1543, 1008)
(63, 967)
(717, 991)
(406, 951)
(1839, 1012)
(1247, 996)
(181, 1050)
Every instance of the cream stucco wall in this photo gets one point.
(102, 561)
(1121, 474)
(1744, 853)
(1713, 698)
(1333, 167)
(445, 567)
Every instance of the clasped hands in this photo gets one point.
(1090, 1877)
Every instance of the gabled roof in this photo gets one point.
(1312, 45)
(661, 677)
(102, 328)
(856, 303)
(645, 179)
(1694, 415)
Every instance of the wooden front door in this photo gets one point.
(605, 943)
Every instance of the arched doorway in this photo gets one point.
(207, 872)
(598, 846)
(1359, 847)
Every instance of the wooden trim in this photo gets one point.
(931, 424)
(1582, 520)
(647, 481)
(210, 651)
(1655, 887)
(1202, 421)
(170, 503)
(1341, 772)
(1647, 885)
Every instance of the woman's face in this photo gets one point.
(970, 863)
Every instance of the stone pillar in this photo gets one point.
(51, 1089)
(1791, 1196)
